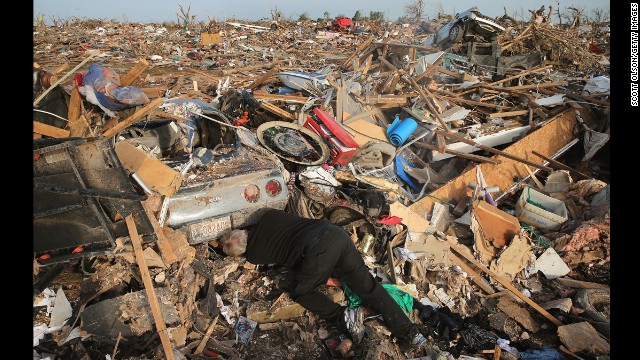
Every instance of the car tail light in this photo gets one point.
(251, 193)
(273, 187)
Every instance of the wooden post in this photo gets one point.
(44, 93)
(506, 284)
(392, 266)
(148, 286)
(163, 243)
(48, 130)
(477, 279)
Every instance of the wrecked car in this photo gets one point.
(488, 56)
(227, 184)
(465, 26)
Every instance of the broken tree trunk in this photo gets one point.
(148, 286)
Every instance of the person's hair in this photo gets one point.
(234, 243)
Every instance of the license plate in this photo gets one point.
(209, 229)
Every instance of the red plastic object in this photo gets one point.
(342, 147)
(343, 22)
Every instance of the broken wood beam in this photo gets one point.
(50, 131)
(471, 157)
(417, 47)
(392, 266)
(345, 65)
(458, 137)
(133, 74)
(168, 256)
(277, 111)
(431, 69)
(561, 165)
(148, 286)
(263, 78)
(77, 127)
(508, 285)
(470, 102)
(132, 119)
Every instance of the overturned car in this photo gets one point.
(470, 25)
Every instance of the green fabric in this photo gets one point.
(404, 299)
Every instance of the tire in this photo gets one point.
(455, 33)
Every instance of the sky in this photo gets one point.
(166, 10)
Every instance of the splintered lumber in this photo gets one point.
(163, 243)
(148, 286)
(206, 337)
(76, 125)
(524, 73)
(48, 130)
(555, 134)
(133, 74)
(431, 69)
(561, 165)
(458, 137)
(427, 99)
(456, 99)
(133, 118)
(475, 277)
(509, 113)
(263, 78)
(359, 50)
(507, 285)
(277, 111)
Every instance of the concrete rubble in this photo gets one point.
(487, 194)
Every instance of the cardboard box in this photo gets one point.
(158, 176)
(208, 39)
(497, 227)
(537, 209)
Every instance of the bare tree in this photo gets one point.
(600, 15)
(184, 18)
(415, 10)
(276, 14)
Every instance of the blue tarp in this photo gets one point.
(106, 85)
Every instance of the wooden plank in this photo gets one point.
(580, 284)
(276, 110)
(367, 64)
(560, 165)
(134, 73)
(168, 256)
(60, 69)
(148, 286)
(509, 113)
(431, 69)
(253, 67)
(206, 337)
(345, 65)
(153, 92)
(50, 131)
(507, 285)
(548, 139)
(133, 118)
(475, 277)
(176, 87)
(263, 78)
(533, 177)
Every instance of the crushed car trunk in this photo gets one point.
(81, 195)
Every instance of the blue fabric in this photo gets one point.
(403, 175)
(106, 84)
